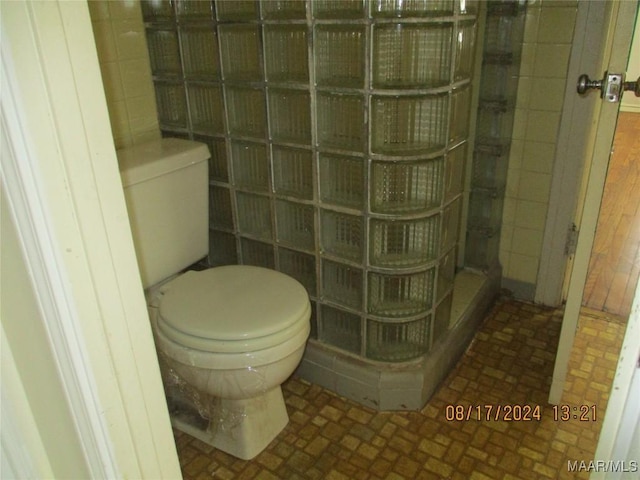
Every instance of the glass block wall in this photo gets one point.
(338, 133)
(501, 54)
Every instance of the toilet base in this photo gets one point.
(242, 428)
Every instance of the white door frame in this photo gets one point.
(618, 21)
(65, 196)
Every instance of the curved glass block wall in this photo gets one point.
(338, 132)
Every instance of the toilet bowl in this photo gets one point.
(227, 337)
(233, 334)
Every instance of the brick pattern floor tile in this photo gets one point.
(510, 362)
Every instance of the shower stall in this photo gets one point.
(342, 153)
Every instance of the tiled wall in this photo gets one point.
(543, 75)
(124, 62)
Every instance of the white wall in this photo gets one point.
(631, 103)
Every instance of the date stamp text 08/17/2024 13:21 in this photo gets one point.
(518, 413)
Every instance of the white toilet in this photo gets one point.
(227, 337)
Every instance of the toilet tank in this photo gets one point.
(166, 186)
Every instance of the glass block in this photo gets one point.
(467, 7)
(409, 125)
(222, 248)
(157, 10)
(443, 317)
(403, 243)
(482, 248)
(489, 168)
(406, 187)
(342, 235)
(342, 180)
(485, 207)
(411, 8)
(250, 165)
(284, 9)
(293, 172)
(295, 223)
(218, 166)
(446, 273)
(340, 55)
(417, 56)
(450, 225)
(246, 111)
(340, 9)
(398, 342)
(499, 83)
(241, 52)
(164, 53)
(236, 9)
(220, 213)
(300, 266)
(200, 53)
(290, 116)
(286, 52)
(459, 122)
(254, 215)
(465, 46)
(401, 295)
(340, 329)
(455, 164)
(495, 120)
(503, 33)
(341, 121)
(172, 105)
(194, 9)
(257, 253)
(206, 108)
(342, 284)
(314, 320)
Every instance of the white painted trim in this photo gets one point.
(571, 151)
(66, 196)
(622, 418)
(630, 108)
(20, 179)
(618, 32)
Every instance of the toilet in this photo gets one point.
(227, 337)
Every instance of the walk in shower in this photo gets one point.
(341, 155)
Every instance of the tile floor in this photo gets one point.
(510, 362)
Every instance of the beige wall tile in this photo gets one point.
(538, 157)
(556, 24)
(136, 76)
(130, 39)
(542, 126)
(528, 59)
(120, 41)
(513, 183)
(526, 241)
(547, 93)
(551, 60)
(125, 10)
(534, 187)
(99, 9)
(523, 268)
(530, 215)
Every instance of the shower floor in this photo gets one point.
(509, 362)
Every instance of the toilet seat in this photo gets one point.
(233, 309)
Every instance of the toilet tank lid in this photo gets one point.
(143, 162)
